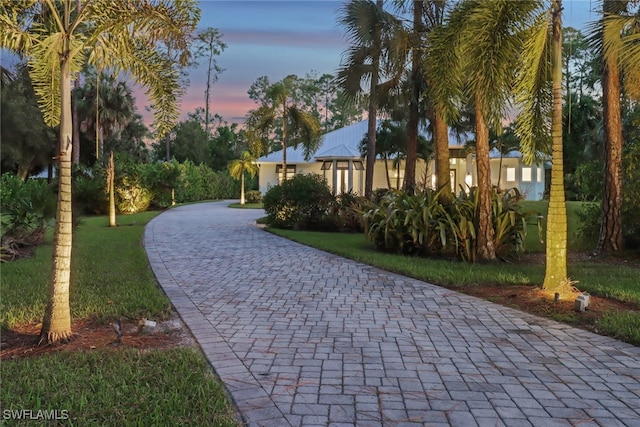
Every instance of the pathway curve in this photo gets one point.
(304, 338)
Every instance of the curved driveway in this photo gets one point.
(304, 338)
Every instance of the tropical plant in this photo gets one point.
(239, 167)
(539, 89)
(105, 105)
(489, 44)
(58, 39)
(370, 58)
(296, 126)
(619, 35)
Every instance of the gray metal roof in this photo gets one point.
(341, 144)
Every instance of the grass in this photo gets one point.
(117, 386)
(246, 206)
(110, 276)
(610, 280)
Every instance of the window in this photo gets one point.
(539, 174)
(526, 174)
(291, 170)
(511, 174)
(357, 165)
(326, 165)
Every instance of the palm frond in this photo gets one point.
(305, 129)
(44, 64)
(533, 90)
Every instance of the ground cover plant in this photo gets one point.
(158, 379)
(612, 281)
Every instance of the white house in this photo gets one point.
(338, 159)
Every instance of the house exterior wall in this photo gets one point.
(528, 179)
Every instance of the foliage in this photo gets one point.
(27, 143)
(26, 206)
(254, 196)
(90, 190)
(301, 202)
(345, 212)
(591, 214)
(420, 224)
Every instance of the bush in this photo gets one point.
(301, 202)
(253, 196)
(345, 213)
(420, 224)
(26, 206)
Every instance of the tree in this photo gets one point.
(209, 45)
(27, 142)
(371, 31)
(239, 167)
(58, 39)
(539, 93)
(106, 107)
(489, 43)
(280, 113)
(621, 56)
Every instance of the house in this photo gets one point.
(339, 160)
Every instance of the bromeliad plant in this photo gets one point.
(419, 224)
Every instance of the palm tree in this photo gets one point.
(371, 32)
(58, 39)
(245, 164)
(106, 106)
(489, 43)
(542, 64)
(443, 77)
(280, 113)
(619, 38)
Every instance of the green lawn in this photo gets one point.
(111, 277)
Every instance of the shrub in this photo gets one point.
(253, 196)
(420, 224)
(301, 202)
(345, 212)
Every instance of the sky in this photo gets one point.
(278, 38)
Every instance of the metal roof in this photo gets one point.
(342, 143)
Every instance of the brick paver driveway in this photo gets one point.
(304, 338)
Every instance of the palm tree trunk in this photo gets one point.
(412, 126)
(56, 324)
(611, 226)
(242, 189)
(76, 128)
(386, 169)
(284, 141)
(441, 137)
(111, 183)
(207, 94)
(555, 279)
(485, 245)
(373, 105)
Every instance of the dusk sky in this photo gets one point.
(278, 38)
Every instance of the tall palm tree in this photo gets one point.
(295, 125)
(106, 106)
(239, 167)
(541, 115)
(619, 38)
(370, 58)
(58, 39)
(443, 75)
(490, 44)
